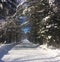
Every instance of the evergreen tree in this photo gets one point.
(38, 10)
(7, 8)
(45, 22)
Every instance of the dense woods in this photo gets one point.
(44, 16)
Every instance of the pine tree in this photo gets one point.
(7, 8)
(39, 10)
(45, 22)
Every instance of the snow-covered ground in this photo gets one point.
(38, 54)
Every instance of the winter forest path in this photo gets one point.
(17, 54)
(4, 49)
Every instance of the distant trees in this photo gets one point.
(37, 10)
(9, 30)
(45, 21)
(7, 8)
(44, 17)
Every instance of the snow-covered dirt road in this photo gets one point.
(38, 54)
(25, 52)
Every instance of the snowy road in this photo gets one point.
(32, 55)
(38, 54)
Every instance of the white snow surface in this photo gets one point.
(38, 54)
(25, 41)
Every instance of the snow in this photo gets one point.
(1, 45)
(21, 2)
(25, 41)
(38, 54)
(24, 23)
(46, 18)
(51, 2)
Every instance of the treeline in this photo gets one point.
(8, 24)
(7, 8)
(45, 19)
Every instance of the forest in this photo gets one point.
(42, 17)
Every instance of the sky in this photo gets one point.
(25, 29)
(24, 19)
